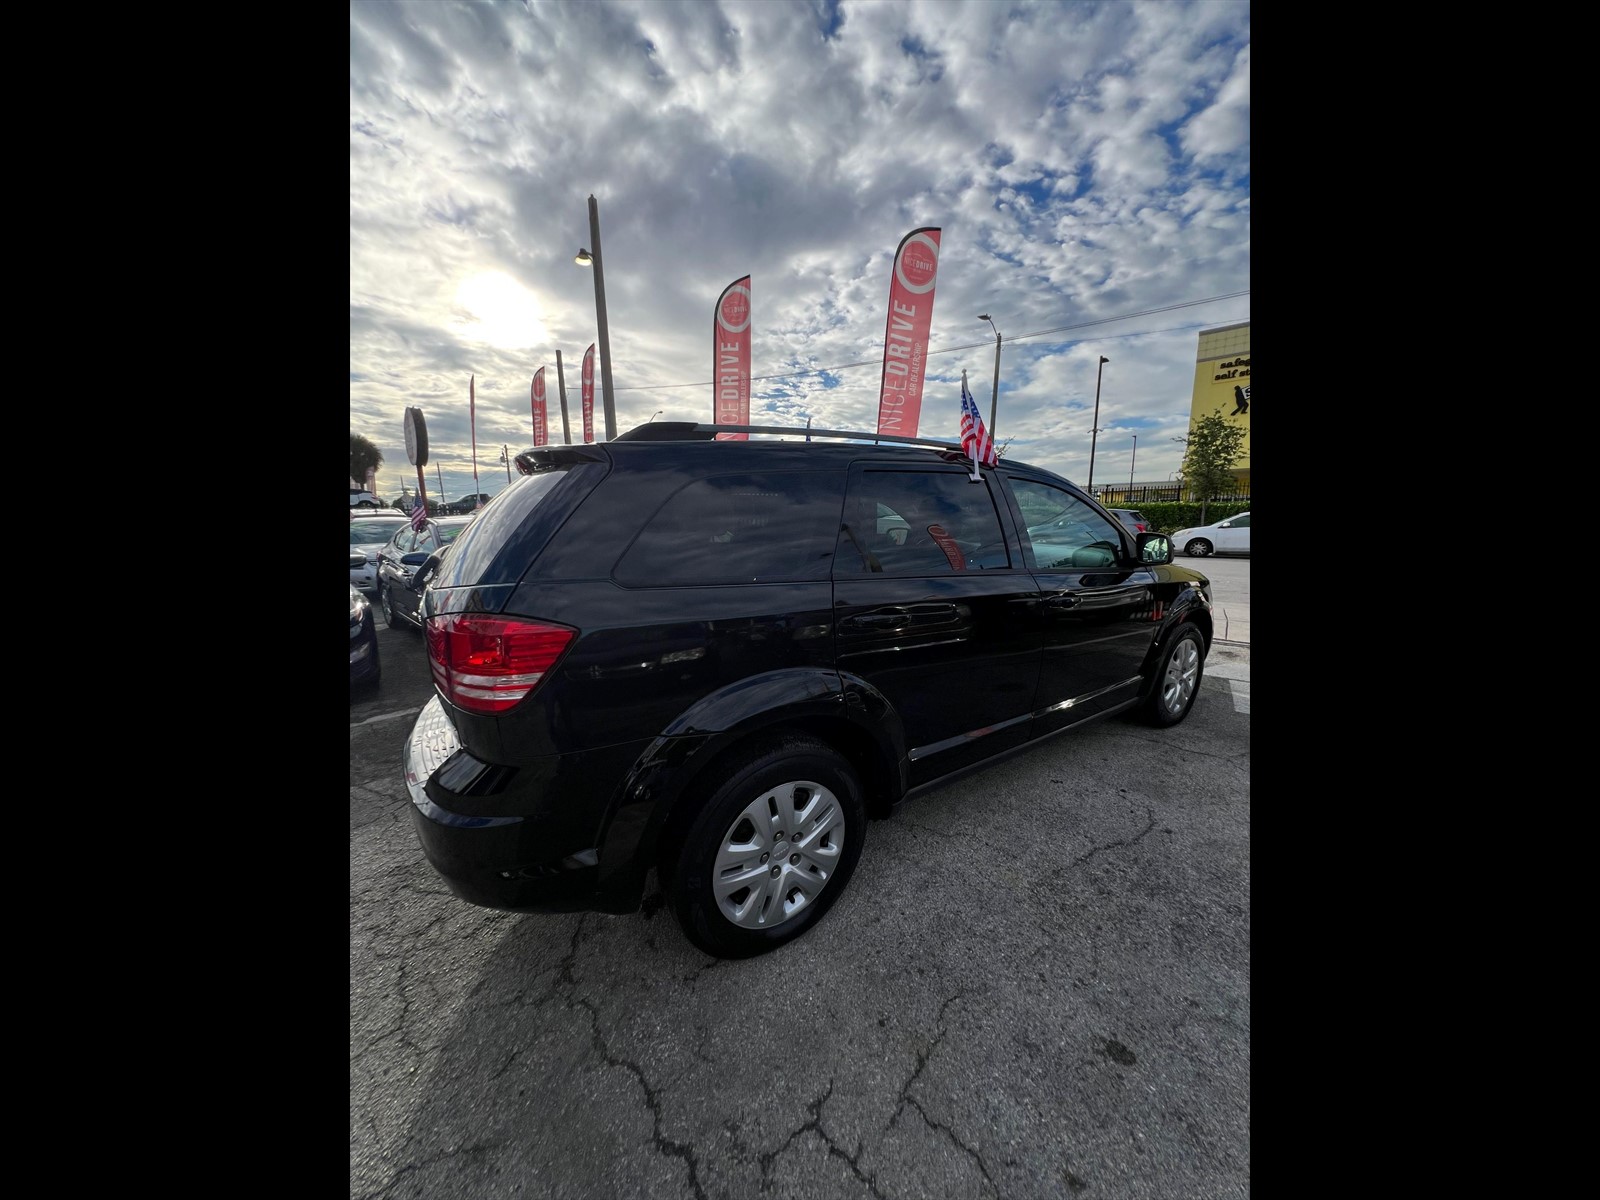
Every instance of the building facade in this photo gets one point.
(1222, 384)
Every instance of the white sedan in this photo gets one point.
(369, 532)
(1230, 536)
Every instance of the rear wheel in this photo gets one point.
(775, 841)
(1178, 675)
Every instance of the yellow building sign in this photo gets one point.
(1222, 383)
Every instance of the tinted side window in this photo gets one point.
(1240, 522)
(739, 529)
(922, 523)
(1062, 531)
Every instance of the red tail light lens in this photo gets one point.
(488, 664)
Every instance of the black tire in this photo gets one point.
(779, 772)
(391, 617)
(1199, 548)
(1179, 671)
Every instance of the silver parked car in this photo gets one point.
(1228, 536)
(370, 532)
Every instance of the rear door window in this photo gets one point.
(748, 528)
(920, 522)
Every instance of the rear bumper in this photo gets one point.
(519, 839)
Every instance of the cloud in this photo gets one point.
(1086, 163)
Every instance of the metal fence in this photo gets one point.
(1162, 493)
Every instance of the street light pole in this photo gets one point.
(1094, 433)
(655, 414)
(1131, 461)
(561, 383)
(994, 396)
(585, 258)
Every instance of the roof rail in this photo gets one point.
(688, 431)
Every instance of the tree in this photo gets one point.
(1211, 449)
(364, 457)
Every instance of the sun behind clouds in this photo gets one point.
(492, 307)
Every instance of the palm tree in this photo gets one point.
(364, 457)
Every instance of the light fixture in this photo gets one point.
(597, 260)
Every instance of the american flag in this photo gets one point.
(419, 514)
(975, 439)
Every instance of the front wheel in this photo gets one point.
(1199, 547)
(1178, 674)
(773, 845)
(391, 615)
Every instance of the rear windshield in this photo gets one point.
(478, 543)
(368, 532)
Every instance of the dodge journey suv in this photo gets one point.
(721, 659)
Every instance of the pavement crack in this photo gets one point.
(1150, 812)
(955, 1141)
(813, 1123)
(442, 1156)
(663, 1144)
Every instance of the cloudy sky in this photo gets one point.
(1088, 165)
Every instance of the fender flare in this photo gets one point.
(664, 773)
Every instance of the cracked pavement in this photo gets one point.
(1036, 985)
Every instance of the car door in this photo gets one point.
(1233, 535)
(935, 612)
(408, 597)
(1097, 606)
(389, 569)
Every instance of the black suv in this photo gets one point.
(719, 659)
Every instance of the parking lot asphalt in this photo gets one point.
(1036, 985)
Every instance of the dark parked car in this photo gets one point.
(1132, 519)
(364, 666)
(720, 659)
(465, 504)
(401, 577)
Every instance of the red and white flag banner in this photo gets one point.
(905, 347)
(472, 416)
(730, 359)
(588, 393)
(541, 436)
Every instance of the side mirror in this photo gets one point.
(357, 561)
(426, 571)
(415, 559)
(1155, 548)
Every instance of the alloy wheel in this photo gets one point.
(1182, 673)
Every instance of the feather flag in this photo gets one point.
(730, 359)
(472, 416)
(905, 341)
(588, 394)
(540, 436)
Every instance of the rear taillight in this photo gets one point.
(1139, 527)
(487, 664)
